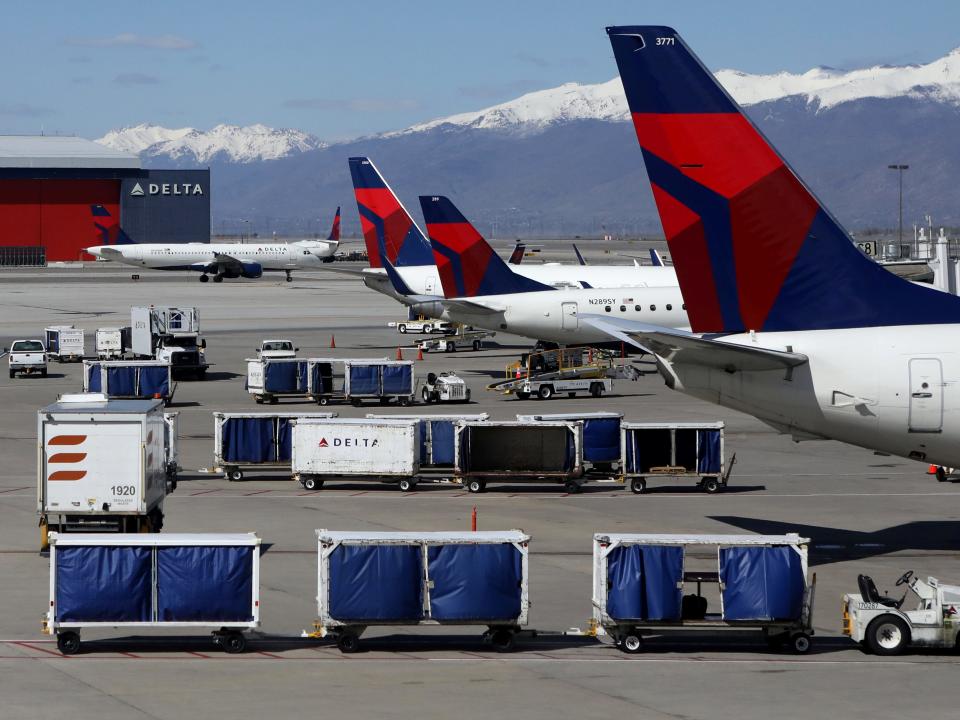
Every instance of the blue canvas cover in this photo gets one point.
(761, 583)
(122, 381)
(474, 582)
(441, 438)
(708, 451)
(93, 378)
(376, 582)
(284, 440)
(644, 582)
(321, 379)
(631, 463)
(248, 440)
(205, 584)
(302, 380)
(601, 439)
(281, 377)
(104, 584)
(364, 380)
(154, 380)
(397, 380)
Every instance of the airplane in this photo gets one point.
(222, 260)
(386, 223)
(790, 323)
(481, 290)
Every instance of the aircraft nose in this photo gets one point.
(93, 251)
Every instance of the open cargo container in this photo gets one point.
(691, 450)
(262, 441)
(102, 465)
(127, 379)
(601, 436)
(352, 449)
(511, 452)
(639, 582)
(65, 343)
(437, 433)
(154, 581)
(369, 579)
(326, 380)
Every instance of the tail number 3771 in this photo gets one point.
(666, 41)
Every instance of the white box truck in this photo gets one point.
(113, 343)
(65, 343)
(170, 334)
(101, 465)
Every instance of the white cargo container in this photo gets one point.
(65, 343)
(101, 465)
(380, 450)
(113, 343)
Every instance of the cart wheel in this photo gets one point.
(258, 400)
(572, 487)
(311, 483)
(522, 395)
(402, 329)
(631, 643)
(571, 394)
(638, 486)
(467, 398)
(405, 401)
(477, 345)
(710, 485)
(888, 635)
(323, 401)
(476, 485)
(425, 395)
(502, 640)
(235, 474)
(68, 642)
(233, 643)
(450, 347)
(348, 642)
(406, 484)
(545, 392)
(596, 389)
(273, 400)
(355, 402)
(800, 643)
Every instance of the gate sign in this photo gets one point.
(867, 247)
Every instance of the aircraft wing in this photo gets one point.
(472, 307)
(224, 261)
(680, 347)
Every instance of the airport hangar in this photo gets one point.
(48, 183)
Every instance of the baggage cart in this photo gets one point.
(436, 436)
(759, 582)
(601, 437)
(65, 343)
(690, 450)
(154, 581)
(383, 381)
(259, 441)
(369, 579)
(129, 379)
(112, 343)
(354, 449)
(512, 452)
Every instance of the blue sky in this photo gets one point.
(344, 69)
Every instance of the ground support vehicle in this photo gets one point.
(27, 357)
(547, 373)
(353, 449)
(690, 450)
(548, 388)
(462, 337)
(65, 343)
(258, 441)
(760, 582)
(112, 343)
(422, 325)
(277, 349)
(421, 578)
(514, 452)
(142, 582)
(129, 379)
(447, 387)
(171, 334)
(601, 437)
(437, 434)
(102, 465)
(883, 627)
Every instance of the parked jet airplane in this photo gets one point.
(793, 324)
(222, 260)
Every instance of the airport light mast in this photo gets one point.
(900, 168)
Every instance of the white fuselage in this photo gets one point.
(192, 256)
(895, 389)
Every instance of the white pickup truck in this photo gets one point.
(27, 357)
(277, 349)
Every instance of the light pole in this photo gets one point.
(900, 169)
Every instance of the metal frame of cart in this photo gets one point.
(710, 480)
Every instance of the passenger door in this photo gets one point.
(926, 395)
(569, 316)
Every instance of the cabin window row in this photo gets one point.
(638, 308)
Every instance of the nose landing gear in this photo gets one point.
(204, 278)
(218, 278)
(289, 276)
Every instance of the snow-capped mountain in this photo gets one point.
(230, 143)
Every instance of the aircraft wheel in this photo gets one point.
(218, 278)
(204, 278)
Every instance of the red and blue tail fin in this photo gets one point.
(385, 221)
(752, 246)
(334, 235)
(467, 265)
(516, 257)
(110, 232)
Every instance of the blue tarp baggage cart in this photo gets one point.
(515, 452)
(758, 582)
(601, 437)
(261, 441)
(129, 379)
(327, 380)
(437, 433)
(271, 378)
(379, 380)
(154, 581)
(431, 578)
(692, 450)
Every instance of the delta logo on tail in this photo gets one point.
(752, 246)
(110, 231)
(466, 263)
(384, 220)
(334, 235)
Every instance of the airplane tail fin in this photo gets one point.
(655, 258)
(576, 251)
(467, 265)
(110, 232)
(334, 235)
(385, 221)
(753, 248)
(516, 257)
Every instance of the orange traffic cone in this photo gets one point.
(518, 372)
(419, 353)
(333, 341)
(932, 470)
(399, 353)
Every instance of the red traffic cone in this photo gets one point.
(399, 353)
(518, 372)
(333, 341)
(932, 470)
(419, 353)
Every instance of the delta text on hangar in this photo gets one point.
(48, 183)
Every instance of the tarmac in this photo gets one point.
(864, 514)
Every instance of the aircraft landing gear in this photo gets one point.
(204, 278)
(289, 276)
(218, 278)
